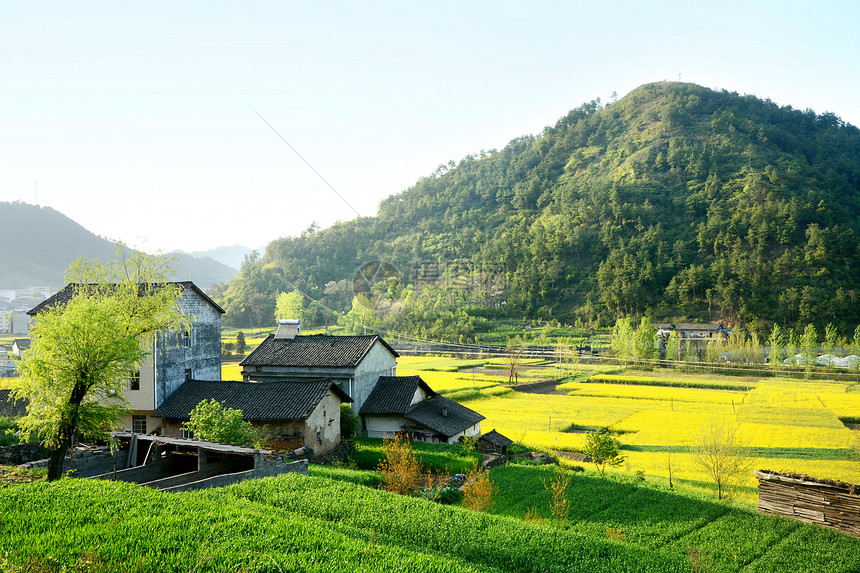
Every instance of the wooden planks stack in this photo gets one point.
(828, 503)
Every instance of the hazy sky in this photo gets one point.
(139, 120)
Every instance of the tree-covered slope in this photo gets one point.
(676, 201)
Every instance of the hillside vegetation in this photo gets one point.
(676, 201)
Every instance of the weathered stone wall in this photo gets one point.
(85, 461)
(17, 454)
(801, 497)
(202, 357)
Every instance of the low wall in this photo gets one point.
(86, 461)
(829, 503)
(269, 468)
(17, 454)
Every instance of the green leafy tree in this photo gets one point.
(643, 340)
(74, 373)
(603, 449)
(809, 347)
(213, 422)
(240, 343)
(290, 305)
(831, 338)
(621, 342)
(776, 342)
(674, 351)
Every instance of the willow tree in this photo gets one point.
(86, 340)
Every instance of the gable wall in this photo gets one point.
(172, 358)
(377, 362)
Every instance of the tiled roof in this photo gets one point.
(9, 408)
(259, 401)
(393, 395)
(430, 414)
(23, 343)
(318, 350)
(497, 439)
(65, 295)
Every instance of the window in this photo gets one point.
(138, 424)
(186, 434)
(188, 375)
(134, 380)
(186, 338)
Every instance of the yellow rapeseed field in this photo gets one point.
(790, 425)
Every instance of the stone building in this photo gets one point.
(175, 357)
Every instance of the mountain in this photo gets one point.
(39, 243)
(677, 202)
(232, 256)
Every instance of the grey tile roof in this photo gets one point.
(259, 401)
(65, 295)
(10, 408)
(429, 413)
(497, 439)
(317, 350)
(393, 395)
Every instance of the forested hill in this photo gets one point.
(676, 201)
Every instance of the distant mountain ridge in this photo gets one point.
(39, 244)
(232, 256)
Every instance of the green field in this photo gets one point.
(331, 524)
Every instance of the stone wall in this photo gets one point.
(18, 454)
(86, 461)
(829, 503)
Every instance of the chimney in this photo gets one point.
(445, 412)
(288, 329)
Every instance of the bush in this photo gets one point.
(350, 423)
(212, 422)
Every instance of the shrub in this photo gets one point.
(212, 422)
(603, 449)
(350, 423)
(400, 468)
(478, 491)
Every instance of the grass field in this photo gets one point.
(337, 524)
(791, 425)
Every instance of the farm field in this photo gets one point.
(336, 524)
(791, 425)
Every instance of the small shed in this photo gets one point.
(407, 403)
(493, 443)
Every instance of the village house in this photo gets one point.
(175, 357)
(299, 414)
(493, 443)
(407, 404)
(19, 345)
(354, 363)
(693, 331)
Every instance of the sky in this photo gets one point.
(197, 124)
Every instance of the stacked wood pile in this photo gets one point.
(829, 503)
